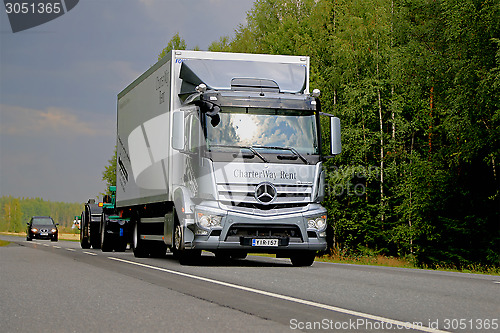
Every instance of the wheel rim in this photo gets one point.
(135, 236)
(102, 234)
(177, 237)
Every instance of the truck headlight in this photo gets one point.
(318, 223)
(207, 221)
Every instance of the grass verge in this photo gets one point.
(380, 260)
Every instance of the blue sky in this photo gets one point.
(59, 81)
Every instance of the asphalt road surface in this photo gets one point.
(58, 287)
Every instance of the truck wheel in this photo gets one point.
(106, 241)
(138, 245)
(159, 251)
(95, 237)
(303, 259)
(120, 245)
(84, 240)
(178, 240)
(184, 256)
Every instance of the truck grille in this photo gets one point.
(289, 198)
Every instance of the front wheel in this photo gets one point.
(303, 259)
(184, 256)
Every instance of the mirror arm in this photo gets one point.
(326, 114)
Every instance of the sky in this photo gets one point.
(59, 83)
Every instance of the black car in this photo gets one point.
(42, 227)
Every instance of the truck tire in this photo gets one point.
(120, 245)
(303, 259)
(84, 240)
(106, 240)
(138, 245)
(159, 251)
(95, 237)
(185, 257)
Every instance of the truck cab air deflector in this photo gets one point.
(219, 74)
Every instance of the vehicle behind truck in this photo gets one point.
(222, 152)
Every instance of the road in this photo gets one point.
(58, 287)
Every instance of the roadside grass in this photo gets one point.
(4, 243)
(380, 260)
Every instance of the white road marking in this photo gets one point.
(90, 253)
(289, 298)
(55, 246)
(72, 250)
(497, 282)
(46, 245)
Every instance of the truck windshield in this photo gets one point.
(266, 129)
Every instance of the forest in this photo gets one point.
(416, 84)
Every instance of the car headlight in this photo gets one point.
(34, 230)
(318, 223)
(53, 230)
(207, 221)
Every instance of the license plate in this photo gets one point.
(44, 234)
(264, 242)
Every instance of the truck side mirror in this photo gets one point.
(336, 145)
(178, 130)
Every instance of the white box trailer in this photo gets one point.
(222, 152)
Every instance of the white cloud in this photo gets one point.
(50, 122)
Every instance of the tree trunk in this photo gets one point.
(431, 105)
(381, 155)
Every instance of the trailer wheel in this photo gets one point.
(138, 245)
(106, 241)
(303, 259)
(84, 240)
(95, 236)
(120, 245)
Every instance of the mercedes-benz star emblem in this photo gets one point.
(265, 193)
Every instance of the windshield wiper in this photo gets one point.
(255, 153)
(293, 150)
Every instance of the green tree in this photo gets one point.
(175, 43)
(109, 173)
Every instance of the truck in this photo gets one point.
(222, 152)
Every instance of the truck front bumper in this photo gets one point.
(266, 234)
